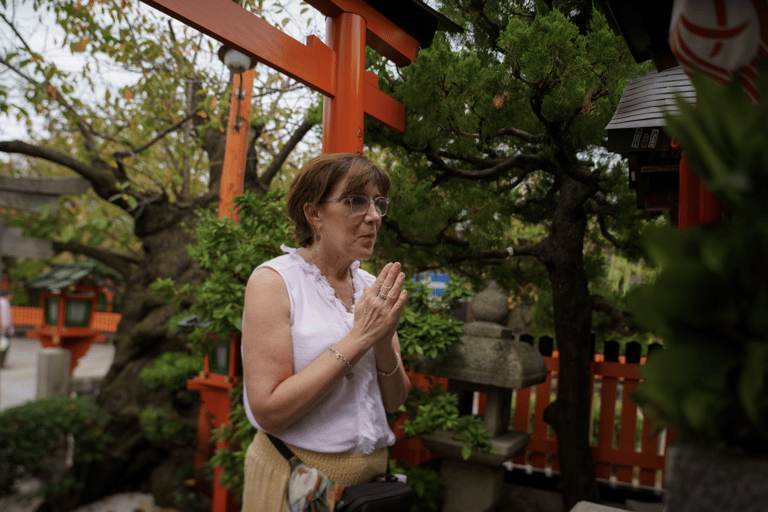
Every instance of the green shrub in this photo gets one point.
(35, 438)
(172, 370)
(161, 427)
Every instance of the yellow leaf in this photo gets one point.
(202, 113)
(128, 93)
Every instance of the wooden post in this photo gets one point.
(235, 154)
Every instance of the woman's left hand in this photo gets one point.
(377, 313)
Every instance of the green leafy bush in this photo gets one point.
(172, 370)
(35, 438)
(161, 427)
(709, 303)
(230, 251)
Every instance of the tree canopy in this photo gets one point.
(501, 174)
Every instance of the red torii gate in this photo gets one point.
(337, 71)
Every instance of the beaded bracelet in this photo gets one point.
(339, 356)
(385, 374)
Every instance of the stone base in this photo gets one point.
(504, 447)
(471, 487)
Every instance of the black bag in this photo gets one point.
(385, 494)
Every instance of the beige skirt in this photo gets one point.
(266, 472)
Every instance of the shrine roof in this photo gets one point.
(61, 276)
(647, 98)
(644, 24)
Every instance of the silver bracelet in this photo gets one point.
(339, 356)
(385, 374)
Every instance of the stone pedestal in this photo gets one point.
(471, 486)
(52, 372)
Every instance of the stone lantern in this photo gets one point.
(490, 361)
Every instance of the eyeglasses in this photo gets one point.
(360, 204)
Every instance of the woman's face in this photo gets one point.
(347, 235)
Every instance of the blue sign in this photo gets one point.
(435, 281)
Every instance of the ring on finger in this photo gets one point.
(383, 296)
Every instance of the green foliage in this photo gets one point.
(172, 370)
(146, 136)
(163, 427)
(426, 326)
(230, 251)
(34, 441)
(540, 87)
(709, 303)
(425, 482)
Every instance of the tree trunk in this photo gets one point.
(569, 414)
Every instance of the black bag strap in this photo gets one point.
(288, 454)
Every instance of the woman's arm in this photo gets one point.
(395, 387)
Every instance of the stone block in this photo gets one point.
(490, 305)
(497, 410)
(52, 372)
(504, 447)
(471, 487)
(487, 330)
(496, 362)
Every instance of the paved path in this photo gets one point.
(18, 380)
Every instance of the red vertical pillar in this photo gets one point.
(688, 212)
(343, 115)
(238, 128)
(710, 207)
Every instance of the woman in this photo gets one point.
(321, 357)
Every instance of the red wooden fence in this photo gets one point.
(622, 446)
(27, 316)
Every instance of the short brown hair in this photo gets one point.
(315, 181)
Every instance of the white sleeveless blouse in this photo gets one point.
(351, 418)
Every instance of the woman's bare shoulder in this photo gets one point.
(267, 287)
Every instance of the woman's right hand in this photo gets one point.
(377, 317)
